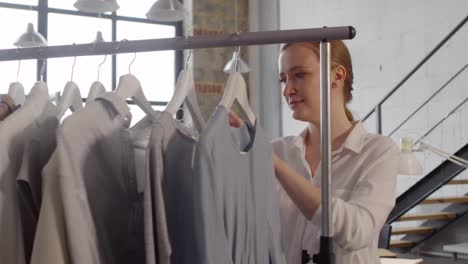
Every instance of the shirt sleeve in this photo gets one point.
(156, 172)
(357, 222)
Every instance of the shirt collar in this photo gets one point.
(354, 142)
(119, 105)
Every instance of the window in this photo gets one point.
(155, 70)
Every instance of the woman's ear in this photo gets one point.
(338, 74)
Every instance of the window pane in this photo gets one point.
(22, 2)
(17, 21)
(155, 70)
(129, 8)
(86, 67)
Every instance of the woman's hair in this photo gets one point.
(339, 56)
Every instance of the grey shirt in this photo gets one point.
(102, 207)
(170, 191)
(235, 202)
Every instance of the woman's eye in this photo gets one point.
(282, 80)
(299, 74)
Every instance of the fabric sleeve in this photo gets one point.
(156, 168)
(357, 221)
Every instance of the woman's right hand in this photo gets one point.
(235, 120)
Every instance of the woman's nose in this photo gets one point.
(288, 89)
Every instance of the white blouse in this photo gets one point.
(364, 171)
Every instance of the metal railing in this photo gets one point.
(378, 108)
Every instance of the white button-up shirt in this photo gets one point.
(364, 171)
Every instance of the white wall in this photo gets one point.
(392, 38)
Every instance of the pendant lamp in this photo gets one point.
(167, 11)
(30, 38)
(242, 67)
(96, 6)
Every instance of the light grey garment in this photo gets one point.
(14, 133)
(37, 151)
(235, 202)
(170, 173)
(102, 207)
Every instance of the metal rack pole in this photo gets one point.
(180, 43)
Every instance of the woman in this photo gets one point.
(364, 165)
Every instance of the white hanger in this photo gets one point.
(130, 87)
(16, 89)
(97, 88)
(185, 91)
(71, 96)
(236, 91)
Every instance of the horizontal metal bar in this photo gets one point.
(180, 43)
(19, 6)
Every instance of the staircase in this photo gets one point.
(424, 212)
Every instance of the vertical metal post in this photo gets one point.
(325, 255)
(42, 20)
(378, 112)
(114, 57)
(325, 138)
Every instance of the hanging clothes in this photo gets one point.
(15, 131)
(236, 206)
(37, 151)
(169, 225)
(95, 166)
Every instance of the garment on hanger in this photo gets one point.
(14, 135)
(37, 151)
(237, 212)
(102, 209)
(7, 106)
(169, 189)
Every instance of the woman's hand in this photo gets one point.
(235, 120)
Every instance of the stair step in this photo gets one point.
(412, 230)
(428, 216)
(458, 182)
(385, 253)
(401, 244)
(463, 199)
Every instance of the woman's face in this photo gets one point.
(299, 75)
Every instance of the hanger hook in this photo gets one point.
(44, 63)
(188, 58)
(237, 54)
(19, 66)
(73, 66)
(118, 44)
(99, 67)
(130, 65)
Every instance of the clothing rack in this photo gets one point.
(180, 43)
(323, 35)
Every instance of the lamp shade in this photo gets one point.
(167, 11)
(242, 67)
(96, 6)
(409, 165)
(30, 38)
